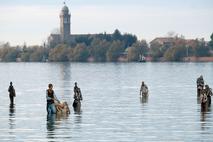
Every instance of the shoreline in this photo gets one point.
(119, 62)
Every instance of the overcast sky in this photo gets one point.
(32, 21)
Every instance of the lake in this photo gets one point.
(112, 109)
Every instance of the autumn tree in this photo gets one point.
(59, 53)
(80, 53)
(175, 53)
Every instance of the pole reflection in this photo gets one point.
(78, 118)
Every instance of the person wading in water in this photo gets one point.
(75, 88)
(51, 98)
(144, 89)
(77, 96)
(200, 85)
(12, 93)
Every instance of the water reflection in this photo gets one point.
(53, 121)
(11, 118)
(205, 107)
(144, 99)
(66, 71)
(78, 122)
(51, 126)
(53, 118)
(77, 107)
(198, 100)
(204, 118)
(78, 118)
(12, 110)
(66, 77)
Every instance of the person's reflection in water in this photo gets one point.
(53, 120)
(77, 110)
(78, 122)
(203, 116)
(202, 120)
(51, 126)
(11, 118)
(144, 99)
(78, 118)
(12, 110)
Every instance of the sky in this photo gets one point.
(31, 22)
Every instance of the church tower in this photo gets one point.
(65, 24)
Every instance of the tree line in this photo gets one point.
(181, 49)
(106, 48)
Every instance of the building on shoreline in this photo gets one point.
(176, 41)
(65, 36)
(65, 29)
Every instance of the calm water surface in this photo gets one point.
(112, 109)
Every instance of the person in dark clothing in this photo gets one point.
(12, 93)
(77, 93)
(144, 89)
(75, 88)
(77, 96)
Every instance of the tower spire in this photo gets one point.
(65, 23)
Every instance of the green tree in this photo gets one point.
(211, 42)
(86, 39)
(116, 35)
(39, 53)
(202, 51)
(179, 53)
(99, 49)
(129, 40)
(12, 54)
(115, 50)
